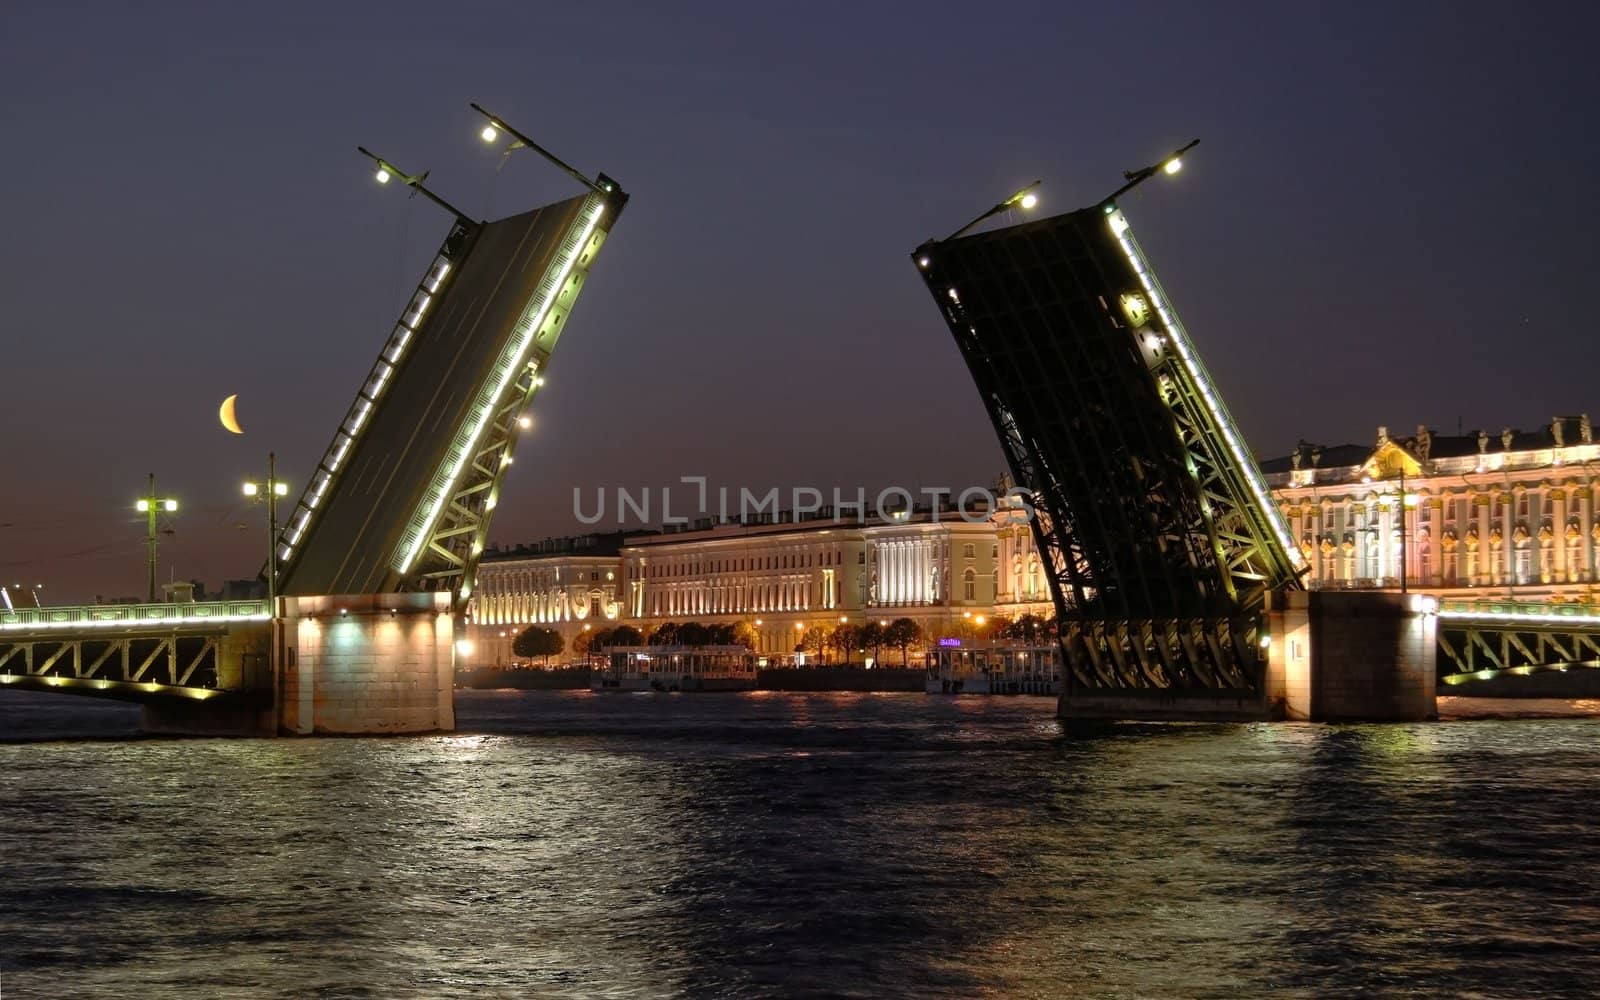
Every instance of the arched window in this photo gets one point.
(969, 585)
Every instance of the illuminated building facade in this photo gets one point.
(1481, 514)
(784, 578)
(781, 576)
(567, 584)
(1491, 515)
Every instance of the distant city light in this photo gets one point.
(489, 133)
(1030, 199)
(170, 505)
(923, 261)
(250, 489)
(142, 506)
(382, 175)
(524, 422)
(280, 489)
(1173, 165)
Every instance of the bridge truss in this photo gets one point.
(1158, 533)
(134, 652)
(1482, 641)
(402, 498)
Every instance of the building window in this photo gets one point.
(969, 584)
(966, 550)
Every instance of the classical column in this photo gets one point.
(924, 570)
(1558, 532)
(1484, 504)
(1586, 508)
(1509, 536)
(1384, 515)
(909, 570)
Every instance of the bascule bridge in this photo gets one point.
(376, 559)
(1176, 581)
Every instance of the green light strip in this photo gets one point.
(465, 444)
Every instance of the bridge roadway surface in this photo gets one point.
(352, 539)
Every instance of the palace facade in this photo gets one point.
(1509, 515)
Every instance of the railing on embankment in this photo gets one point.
(138, 652)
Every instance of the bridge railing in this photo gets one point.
(1529, 611)
(91, 616)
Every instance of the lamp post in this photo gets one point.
(273, 488)
(1407, 501)
(491, 134)
(150, 504)
(1024, 198)
(387, 171)
(1168, 166)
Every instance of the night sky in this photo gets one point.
(1389, 220)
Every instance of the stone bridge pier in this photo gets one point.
(1340, 656)
(330, 664)
(366, 663)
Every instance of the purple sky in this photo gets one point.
(1390, 220)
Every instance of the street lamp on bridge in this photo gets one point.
(269, 491)
(496, 125)
(151, 505)
(387, 171)
(1025, 198)
(1169, 166)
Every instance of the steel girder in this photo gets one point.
(1471, 647)
(174, 659)
(448, 560)
(1158, 536)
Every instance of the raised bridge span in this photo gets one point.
(377, 556)
(1176, 580)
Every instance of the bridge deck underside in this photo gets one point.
(351, 540)
(1156, 567)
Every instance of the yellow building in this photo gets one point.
(1489, 515)
(567, 584)
(952, 575)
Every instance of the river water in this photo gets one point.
(785, 845)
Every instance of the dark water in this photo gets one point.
(799, 845)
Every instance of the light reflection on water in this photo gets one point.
(572, 845)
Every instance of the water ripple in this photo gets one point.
(777, 845)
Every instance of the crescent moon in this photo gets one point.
(226, 415)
